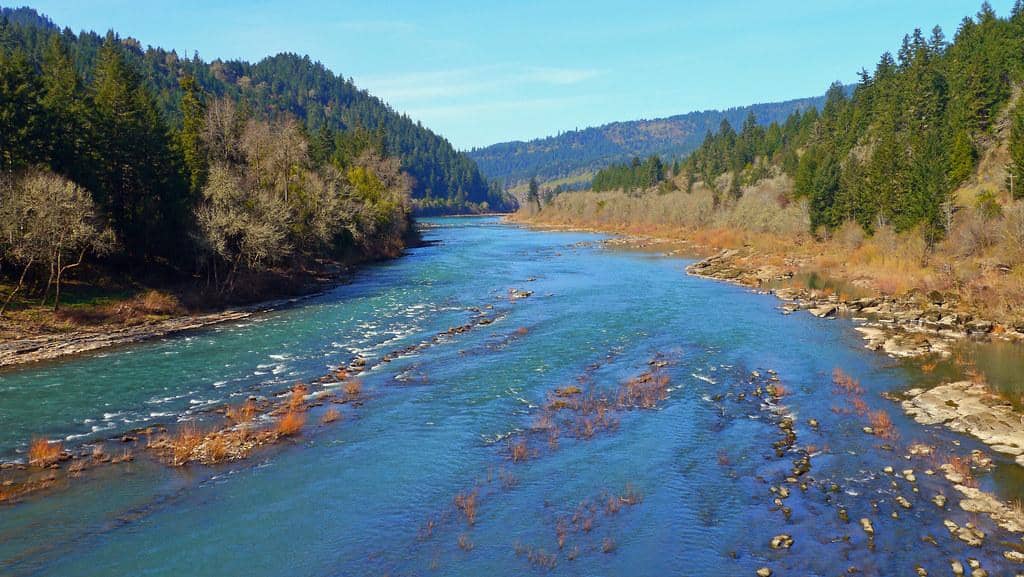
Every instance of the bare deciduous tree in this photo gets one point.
(47, 220)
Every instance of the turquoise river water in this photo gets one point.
(373, 493)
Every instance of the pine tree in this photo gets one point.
(69, 132)
(190, 138)
(22, 115)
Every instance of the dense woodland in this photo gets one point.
(635, 175)
(133, 159)
(591, 149)
(894, 153)
(326, 105)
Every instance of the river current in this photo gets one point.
(686, 485)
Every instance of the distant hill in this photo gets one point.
(590, 149)
(445, 180)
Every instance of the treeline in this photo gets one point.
(635, 175)
(90, 167)
(281, 86)
(893, 152)
(591, 149)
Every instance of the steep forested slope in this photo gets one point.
(443, 178)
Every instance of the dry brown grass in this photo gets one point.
(242, 413)
(43, 453)
(217, 448)
(184, 444)
(290, 423)
(886, 261)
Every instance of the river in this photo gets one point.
(684, 486)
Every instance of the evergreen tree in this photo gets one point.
(190, 137)
(22, 118)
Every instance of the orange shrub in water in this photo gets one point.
(353, 388)
(43, 453)
(298, 397)
(882, 425)
(290, 423)
(330, 416)
(466, 503)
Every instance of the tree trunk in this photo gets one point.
(60, 273)
(21, 282)
(49, 283)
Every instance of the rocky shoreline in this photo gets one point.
(912, 325)
(53, 346)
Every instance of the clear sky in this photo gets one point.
(481, 72)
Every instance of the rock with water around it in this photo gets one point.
(971, 408)
(865, 524)
(764, 572)
(824, 311)
(782, 541)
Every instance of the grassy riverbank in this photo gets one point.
(979, 263)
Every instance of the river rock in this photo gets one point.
(782, 541)
(865, 524)
(824, 311)
(971, 408)
(764, 572)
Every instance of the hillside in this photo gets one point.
(590, 149)
(909, 183)
(444, 179)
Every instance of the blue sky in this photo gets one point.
(484, 72)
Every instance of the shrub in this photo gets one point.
(290, 423)
(43, 453)
(184, 444)
(298, 397)
(466, 504)
(330, 416)
(353, 388)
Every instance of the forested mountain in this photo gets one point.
(132, 161)
(591, 149)
(286, 84)
(896, 151)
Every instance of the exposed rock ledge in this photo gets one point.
(47, 347)
(972, 409)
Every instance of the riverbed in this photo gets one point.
(690, 483)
